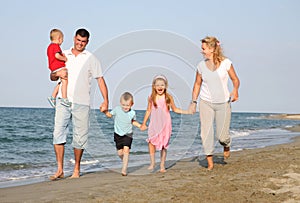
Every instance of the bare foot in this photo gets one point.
(151, 167)
(76, 174)
(57, 175)
(163, 170)
(226, 152)
(210, 162)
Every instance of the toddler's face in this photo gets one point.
(160, 87)
(126, 105)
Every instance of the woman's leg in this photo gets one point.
(207, 115)
(223, 117)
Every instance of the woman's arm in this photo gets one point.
(236, 84)
(196, 91)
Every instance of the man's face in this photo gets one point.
(80, 43)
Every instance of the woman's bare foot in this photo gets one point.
(57, 175)
(76, 174)
(226, 152)
(210, 162)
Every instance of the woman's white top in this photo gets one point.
(214, 87)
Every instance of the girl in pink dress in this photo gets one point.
(160, 126)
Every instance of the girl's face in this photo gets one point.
(126, 105)
(160, 86)
(207, 51)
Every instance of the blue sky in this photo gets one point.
(262, 39)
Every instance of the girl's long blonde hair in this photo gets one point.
(154, 94)
(213, 42)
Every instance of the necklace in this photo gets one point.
(211, 65)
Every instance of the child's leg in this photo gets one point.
(120, 153)
(64, 87)
(63, 75)
(163, 157)
(55, 91)
(152, 156)
(125, 160)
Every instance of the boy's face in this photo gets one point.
(60, 39)
(126, 105)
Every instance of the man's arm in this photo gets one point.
(104, 92)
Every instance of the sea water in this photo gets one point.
(27, 155)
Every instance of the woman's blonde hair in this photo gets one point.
(154, 94)
(213, 42)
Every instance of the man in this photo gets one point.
(82, 67)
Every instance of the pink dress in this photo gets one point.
(160, 126)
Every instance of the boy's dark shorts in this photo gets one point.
(122, 141)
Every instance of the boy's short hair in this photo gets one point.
(54, 33)
(127, 96)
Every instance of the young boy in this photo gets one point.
(124, 118)
(56, 61)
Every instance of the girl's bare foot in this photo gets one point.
(226, 152)
(151, 167)
(210, 162)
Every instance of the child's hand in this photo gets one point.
(143, 127)
(192, 108)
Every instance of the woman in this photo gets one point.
(212, 83)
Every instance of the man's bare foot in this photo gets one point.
(226, 152)
(57, 176)
(76, 174)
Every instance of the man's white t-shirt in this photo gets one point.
(214, 87)
(81, 70)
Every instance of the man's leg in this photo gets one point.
(59, 152)
(80, 119)
(77, 154)
(62, 117)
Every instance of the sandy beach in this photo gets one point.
(270, 174)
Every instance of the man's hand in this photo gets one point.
(103, 107)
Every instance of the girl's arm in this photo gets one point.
(146, 117)
(236, 84)
(177, 110)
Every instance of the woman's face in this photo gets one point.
(207, 51)
(160, 87)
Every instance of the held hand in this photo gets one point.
(103, 107)
(192, 108)
(143, 127)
